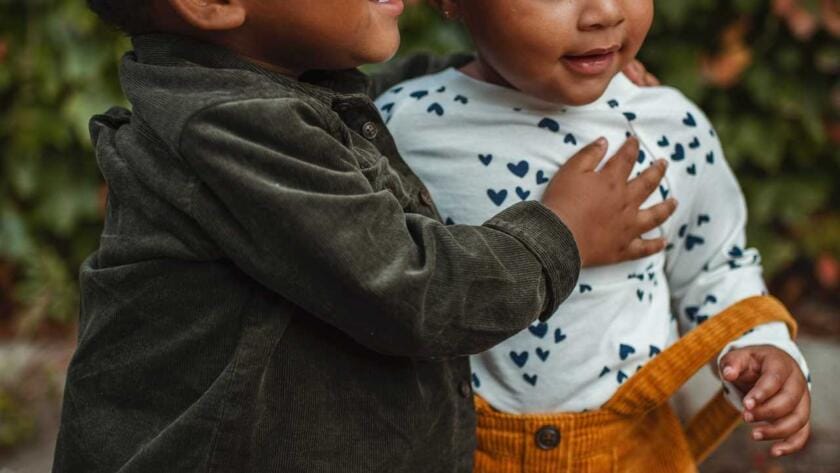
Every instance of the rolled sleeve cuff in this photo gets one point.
(548, 238)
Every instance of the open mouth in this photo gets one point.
(592, 62)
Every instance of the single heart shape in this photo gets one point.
(485, 159)
(604, 371)
(654, 350)
(549, 124)
(693, 241)
(497, 197)
(692, 170)
(689, 120)
(736, 252)
(396, 90)
(710, 157)
(519, 169)
(520, 359)
(664, 192)
(613, 103)
(570, 140)
(703, 219)
(630, 116)
(419, 94)
(476, 381)
(522, 193)
(710, 299)
(449, 221)
(663, 143)
(539, 330)
(559, 336)
(435, 108)
(679, 153)
(641, 158)
(695, 143)
(442, 89)
(640, 294)
(691, 312)
(543, 354)
(584, 288)
(532, 380)
(387, 107)
(541, 179)
(625, 350)
(621, 376)
(462, 99)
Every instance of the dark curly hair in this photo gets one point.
(130, 16)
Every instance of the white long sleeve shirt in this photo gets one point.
(480, 148)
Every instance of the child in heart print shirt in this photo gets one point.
(546, 82)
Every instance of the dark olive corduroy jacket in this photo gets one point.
(274, 290)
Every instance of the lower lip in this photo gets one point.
(590, 65)
(392, 7)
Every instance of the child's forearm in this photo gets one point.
(306, 222)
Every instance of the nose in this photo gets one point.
(601, 14)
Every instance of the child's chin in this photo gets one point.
(381, 49)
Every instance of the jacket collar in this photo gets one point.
(173, 50)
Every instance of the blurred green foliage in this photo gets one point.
(771, 90)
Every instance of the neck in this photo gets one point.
(479, 69)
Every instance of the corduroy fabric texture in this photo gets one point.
(636, 430)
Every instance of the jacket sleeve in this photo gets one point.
(711, 268)
(289, 205)
(416, 65)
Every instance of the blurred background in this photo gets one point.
(766, 72)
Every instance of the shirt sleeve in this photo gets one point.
(412, 66)
(289, 204)
(710, 267)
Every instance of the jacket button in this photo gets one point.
(548, 437)
(370, 130)
(425, 197)
(465, 389)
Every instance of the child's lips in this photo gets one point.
(392, 7)
(594, 62)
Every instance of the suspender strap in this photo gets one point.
(657, 381)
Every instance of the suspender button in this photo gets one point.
(548, 437)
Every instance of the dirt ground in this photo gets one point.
(38, 372)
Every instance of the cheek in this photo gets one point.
(639, 19)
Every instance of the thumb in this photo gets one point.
(734, 364)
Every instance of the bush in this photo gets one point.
(766, 73)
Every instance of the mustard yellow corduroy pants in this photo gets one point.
(636, 431)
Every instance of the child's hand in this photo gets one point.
(602, 208)
(777, 395)
(636, 72)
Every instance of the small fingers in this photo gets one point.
(792, 444)
(786, 425)
(655, 216)
(642, 186)
(773, 376)
(781, 404)
(588, 158)
(733, 364)
(640, 248)
(620, 165)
